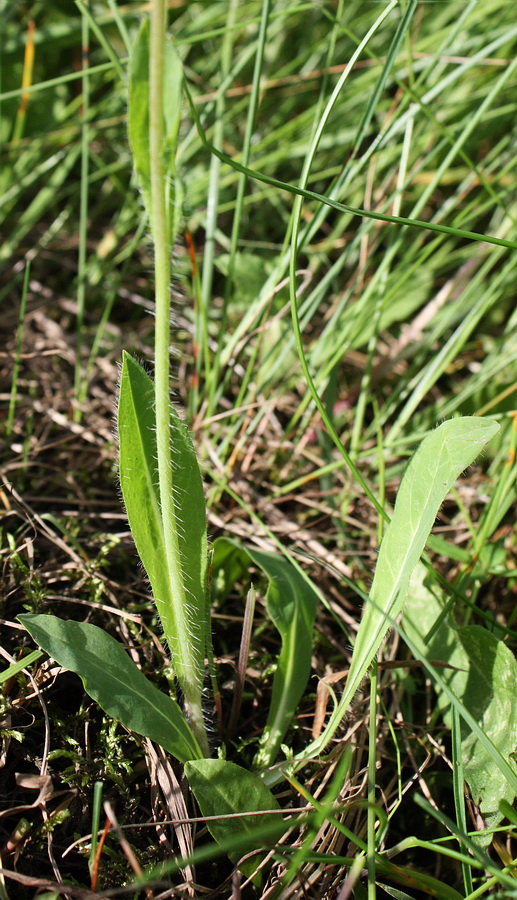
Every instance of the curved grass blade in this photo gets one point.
(184, 624)
(112, 679)
(329, 201)
(15, 668)
(291, 604)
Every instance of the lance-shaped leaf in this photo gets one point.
(291, 603)
(139, 483)
(113, 680)
(442, 456)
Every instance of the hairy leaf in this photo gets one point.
(139, 483)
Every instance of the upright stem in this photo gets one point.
(186, 661)
(80, 385)
(372, 757)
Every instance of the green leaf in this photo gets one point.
(138, 120)
(291, 604)
(250, 272)
(139, 483)
(431, 472)
(433, 887)
(394, 892)
(112, 679)
(17, 667)
(442, 456)
(138, 111)
(222, 789)
(488, 690)
(444, 548)
(485, 683)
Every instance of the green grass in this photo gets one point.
(321, 336)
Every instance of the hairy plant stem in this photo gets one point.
(175, 621)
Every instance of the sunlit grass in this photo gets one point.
(400, 327)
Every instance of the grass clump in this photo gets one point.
(340, 180)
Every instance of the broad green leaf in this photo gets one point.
(139, 483)
(222, 789)
(112, 679)
(291, 604)
(488, 690)
(486, 684)
(442, 456)
(138, 120)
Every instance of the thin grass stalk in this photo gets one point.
(492, 515)
(305, 194)
(121, 25)
(243, 178)
(425, 380)
(250, 369)
(16, 364)
(424, 102)
(83, 216)
(364, 392)
(96, 817)
(54, 82)
(247, 627)
(294, 249)
(324, 810)
(458, 782)
(483, 860)
(84, 7)
(381, 469)
(234, 430)
(175, 621)
(213, 190)
(372, 769)
(28, 65)
(411, 92)
(457, 148)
